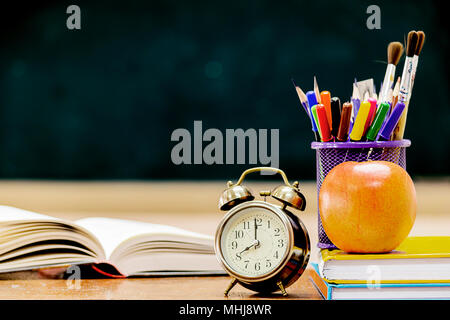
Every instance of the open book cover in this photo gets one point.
(113, 247)
(417, 259)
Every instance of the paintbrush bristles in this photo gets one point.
(420, 42)
(411, 45)
(395, 51)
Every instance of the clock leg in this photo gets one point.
(230, 286)
(283, 290)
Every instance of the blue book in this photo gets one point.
(373, 290)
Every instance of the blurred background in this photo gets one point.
(103, 101)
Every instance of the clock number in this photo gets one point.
(268, 224)
(238, 256)
(246, 263)
(234, 245)
(257, 266)
(277, 232)
(280, 243)
(276, 255)
(268, 264)
(258, 222)
(246, 225)
(239, 234)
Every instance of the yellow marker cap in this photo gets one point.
(360, 121)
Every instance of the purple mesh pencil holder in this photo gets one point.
(330, 154)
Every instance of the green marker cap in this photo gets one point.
(377, 122)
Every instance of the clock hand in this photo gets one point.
(256, 232)
(255, 243)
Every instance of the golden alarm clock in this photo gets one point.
(262, 246)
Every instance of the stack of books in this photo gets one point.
(418, 269)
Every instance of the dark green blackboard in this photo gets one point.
(102, 102)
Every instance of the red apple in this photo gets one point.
(367, 207)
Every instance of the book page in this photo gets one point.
(112, 232)
(23, 233)
(8, 214)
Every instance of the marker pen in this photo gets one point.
(391, 123)
(371, 115)
(344, 124)
(377, 122)
(335, 115)
(325, 98)
(372, 133)
(312, 101)
(325, 132)
(316, 121)
(360, 121)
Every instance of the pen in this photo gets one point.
(377, 122)
(344, 124)
(335, 115)
(312, 101)
(323, 123)
(371, 115)
(389, 126)
(325, 98)
(316, 121)
(374, 129)
(360, 121)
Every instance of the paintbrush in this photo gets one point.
(405, 84)
(394, 53)
(420, 42)
(302, 97)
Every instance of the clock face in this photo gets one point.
(254, 241)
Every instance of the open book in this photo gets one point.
(30, 241)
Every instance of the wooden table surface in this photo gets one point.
(189, 205)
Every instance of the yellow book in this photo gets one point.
(416, 260)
